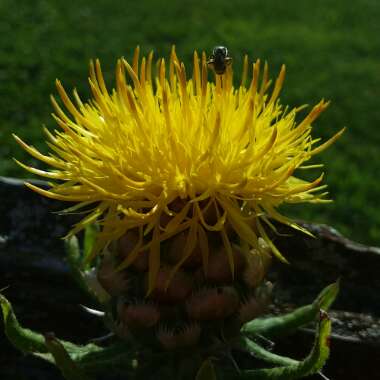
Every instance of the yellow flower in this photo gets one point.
(167, 155)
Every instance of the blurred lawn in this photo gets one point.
(331, 49)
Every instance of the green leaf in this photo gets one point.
(261, 353)
(70, 358)
(312, 364)
(74, 259)
(47, 357)
(63, 361)
(206, 371)
(29, 341)
(75, 262)
(327, 296)
(285, 324)
(90, 234)
(24, 339)
(119, 355)
(281, 325)
(78, 257)
(86, 279)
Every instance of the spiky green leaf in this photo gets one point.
(74, 260)
(312, 364)
(327, 296)
(70, 370)
(90, 234)
(29, 341)
(286, 324)
(119, 356)
(85, 278)
(24, 339)
(261, 353)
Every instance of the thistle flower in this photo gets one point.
(169, 155)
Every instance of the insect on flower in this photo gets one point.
(219, 60)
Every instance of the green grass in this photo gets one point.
(331, 49)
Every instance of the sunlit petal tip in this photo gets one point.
(126, 64)
(19, 140)
(58, 84)
(35, 171)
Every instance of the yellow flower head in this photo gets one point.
(173, 154)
